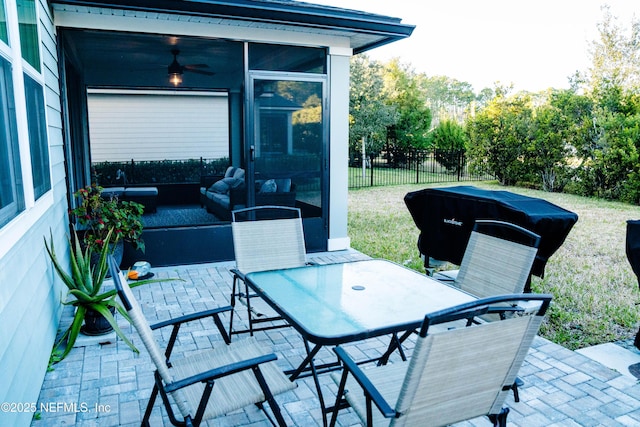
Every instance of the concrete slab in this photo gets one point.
(89, 340)
(614, 357)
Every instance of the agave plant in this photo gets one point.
(85, 283)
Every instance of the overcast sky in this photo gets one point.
(532, 44)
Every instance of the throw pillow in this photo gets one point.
(239, 174)
(269, 186)
(234, 182)
(229, 172)
(284, 185)
(220, 187)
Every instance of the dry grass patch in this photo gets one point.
(595, 292)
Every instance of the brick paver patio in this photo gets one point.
(109, 385)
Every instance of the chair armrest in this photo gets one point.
(239, 274)
(190, 317)
(367, 386)
(178, 321)
(207, 180)
(220, 372)
(237, 196)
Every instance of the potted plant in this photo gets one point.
(100, 216)
(85, 286)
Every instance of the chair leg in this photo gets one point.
(500, 419)
(338, 404)
(233, 306)
(516, 395)
(249, 315)
(152, 401)
(269, 398)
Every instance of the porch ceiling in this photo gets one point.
(140, 60)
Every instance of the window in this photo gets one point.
(37, 137)
(11, 193)
(272, 57)
(28, 25)
(4, 35)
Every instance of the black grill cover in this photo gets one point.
(633, 255)
(445, 218)
(633, 246)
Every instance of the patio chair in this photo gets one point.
(498, 259)
(264, 238)
(453, 374)
(208, 383)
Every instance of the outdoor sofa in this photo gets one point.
(221, 195)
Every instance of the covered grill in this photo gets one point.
(633, 255)
(445, 218)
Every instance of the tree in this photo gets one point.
(369, 113)
(615, 58)
(414, 117)
(612, 169)
(448, 98)
(498, 135)
(449, 139)
(547, 150)
(609, 140)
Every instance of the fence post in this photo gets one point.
(364, 156)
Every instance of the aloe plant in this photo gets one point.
(85, 283)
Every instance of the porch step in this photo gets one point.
(614, 356)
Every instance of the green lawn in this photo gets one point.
(595, 292)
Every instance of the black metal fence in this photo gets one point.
(415, 167)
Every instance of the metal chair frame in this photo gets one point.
(454, 374)
(205, 384)
(264, 238)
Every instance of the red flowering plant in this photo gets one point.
(97, 215)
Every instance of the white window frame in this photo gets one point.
(13, 231)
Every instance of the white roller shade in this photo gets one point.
(157, 125)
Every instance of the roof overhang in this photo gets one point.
(364, 30)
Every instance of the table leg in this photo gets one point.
(308, 361)
(314, 373)
(395, 344)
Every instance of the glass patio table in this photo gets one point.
(334, 304)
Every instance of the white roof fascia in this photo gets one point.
(170, 24)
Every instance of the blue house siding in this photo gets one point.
(30, 292)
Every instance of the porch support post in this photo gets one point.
(338, 148)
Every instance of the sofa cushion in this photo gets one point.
(221, 187)
(112, 192)
(239, 174)
(269, 186)
(220, 199)
(225, 184)
(234, 182)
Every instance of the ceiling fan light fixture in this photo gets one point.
(175, 78)
(175, 70)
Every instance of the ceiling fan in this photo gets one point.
(176, 70)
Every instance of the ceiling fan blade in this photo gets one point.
(195, 70)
